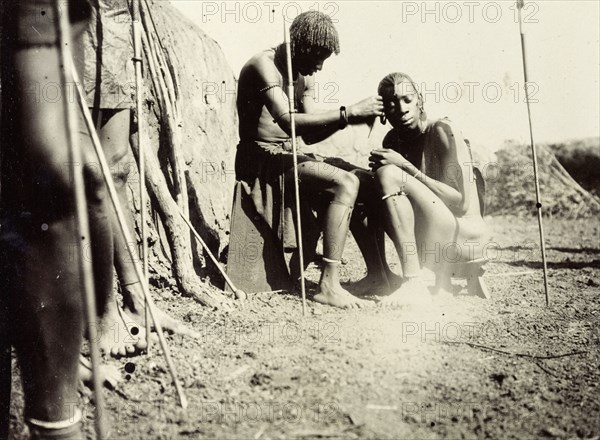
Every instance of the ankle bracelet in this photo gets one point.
(387, 196)
(61, 424)
(330, 261)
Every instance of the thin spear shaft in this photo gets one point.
(81, 217)
(137, 59)
(288, 53)
(520, 4)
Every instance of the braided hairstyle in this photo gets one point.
(313, 30)
(388, 83)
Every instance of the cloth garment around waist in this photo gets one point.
(109, 72)
(262, 168)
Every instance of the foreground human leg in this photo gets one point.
(368, 232)
(397, 189)
(120, 335)
(40, 269)
(133, 294)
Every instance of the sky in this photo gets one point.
(465, 56)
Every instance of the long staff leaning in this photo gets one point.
(292, 109)
(538, 204)
(81, 217)
(139, 92)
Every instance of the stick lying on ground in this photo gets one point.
(239, 293)
(127, 235)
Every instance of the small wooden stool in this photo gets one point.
(255, 262)
(472, 271)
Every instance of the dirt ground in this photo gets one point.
(470, 368)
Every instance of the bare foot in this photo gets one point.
(109, 374)
(338, 297)
(413, 292)
(119, 334)
(134, 304)
(376, 285)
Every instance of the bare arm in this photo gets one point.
(452, 186)
(276, 102)
(450, 183)
(308, 107)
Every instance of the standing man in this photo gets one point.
(41, 306)
(264, 159)
(109, 82)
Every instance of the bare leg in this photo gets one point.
(369, 236)
(322, 180)
(438, 235)
(133, 294)
(39, 240)
(400, 226)
(5, 363)
(119, 334)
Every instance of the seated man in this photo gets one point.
(264, 160)
(430, 197)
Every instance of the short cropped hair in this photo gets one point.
(313, 30)
(389, 83)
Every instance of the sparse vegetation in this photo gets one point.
(510, 180)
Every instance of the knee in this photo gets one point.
(120, 168)
(390, 179)
(95, 188)
(346, 188)
(120, 174)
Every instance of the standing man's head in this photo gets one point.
(313, 40)
(403, 103)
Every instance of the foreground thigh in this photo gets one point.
(319, 177)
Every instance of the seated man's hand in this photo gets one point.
(386, 156)
(365, 110)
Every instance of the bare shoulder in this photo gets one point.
(446, 133)
(261, 67)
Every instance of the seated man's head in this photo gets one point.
(313, 40)
(403, 103)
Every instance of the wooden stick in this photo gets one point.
(239, 293)
(526, 355)
(538, 205)
(509, 274)
(127, 235)
(137, 61)
(292, 109)
(171, 115)
(81, 216)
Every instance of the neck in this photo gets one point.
(281, 61)
(413, 134)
